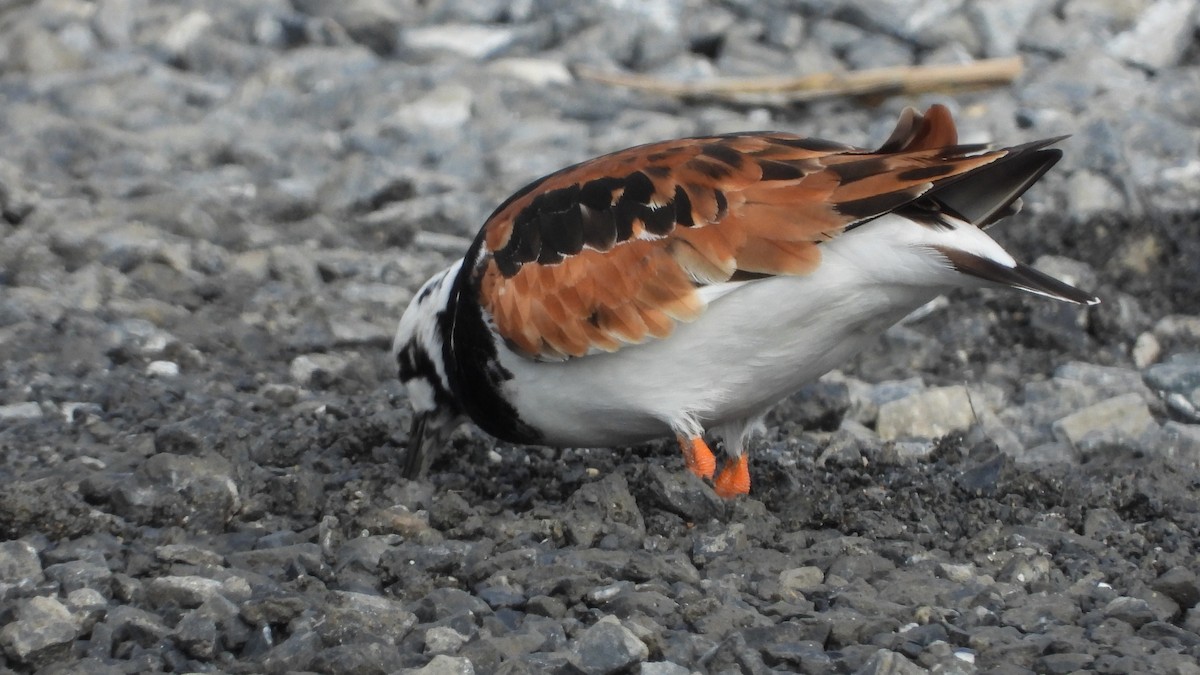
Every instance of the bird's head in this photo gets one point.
(418, 349)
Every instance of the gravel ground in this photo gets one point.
(214, 212)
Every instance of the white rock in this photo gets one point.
(29, 410)
(1146, 350)
(447, 107)
(538, 72)
(185, 31)
(928, 414)
(1125, 415)
(470, 40)
(162, 369)
(1160, 37)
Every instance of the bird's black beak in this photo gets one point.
(419, 437)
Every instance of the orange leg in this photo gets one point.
(734, 478)
(698, 458)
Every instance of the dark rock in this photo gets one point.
(683, 494)
(605, 648)
(197, 636)
(297, 653)
(819, 406)
(274, 608)
(446, 603)
(1180, 584)
(42, 633)
(198, 492)
(603, 508)
(135, 625)
(1133, 611)
(889, 662)
(182, 591)
(356, 617)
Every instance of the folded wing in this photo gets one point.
(611, 252)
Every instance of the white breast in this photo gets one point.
(757, 342)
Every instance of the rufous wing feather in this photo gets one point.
(612, 252)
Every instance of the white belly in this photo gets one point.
(753, 346)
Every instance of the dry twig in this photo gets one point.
(873, 82)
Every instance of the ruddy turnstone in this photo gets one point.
(687, 286)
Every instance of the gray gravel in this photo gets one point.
(212, 214)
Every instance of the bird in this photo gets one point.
(684, 287)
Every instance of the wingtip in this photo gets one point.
(1021, 277)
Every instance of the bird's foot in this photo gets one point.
(698, 458)
(734, 478)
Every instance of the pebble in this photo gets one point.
(42, 633)
(1160, 37)
(607, 647)
(19, 564)
(21, 411)
(929, 414)
(1120, 417)
(317, 370)
(1146, 351)
(444, 665)
(469, 40)
(181, 591)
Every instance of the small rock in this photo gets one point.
(444, 665)
(196, 634)
(1133, 611)
(301, 651)
(140, 626)
(662, 668)
(1001, 24)
(446, 603)
(182, 591)
(1118, 418)
(19, 564)
(88, 606)
(1102, 523)
(469, 40)
(76, 574)
(929, 414)
(958, 573)
(318, 371)
(1180, 374)
(184, 32)
(162, 369)
(360, 617)
(446, 108)
(188, 554)
(1090, 193)
(538, 72)
(1179, 584)
(607, 647)
(601, 508)
(1146, 350)
(546, 605)
(197, 492)
(886, 662)
(42, 634)
(20, 411)
(799, 579)
(723, 541)
(1061, 664)
(444, 640)
(683, 494)
(1161, 36)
